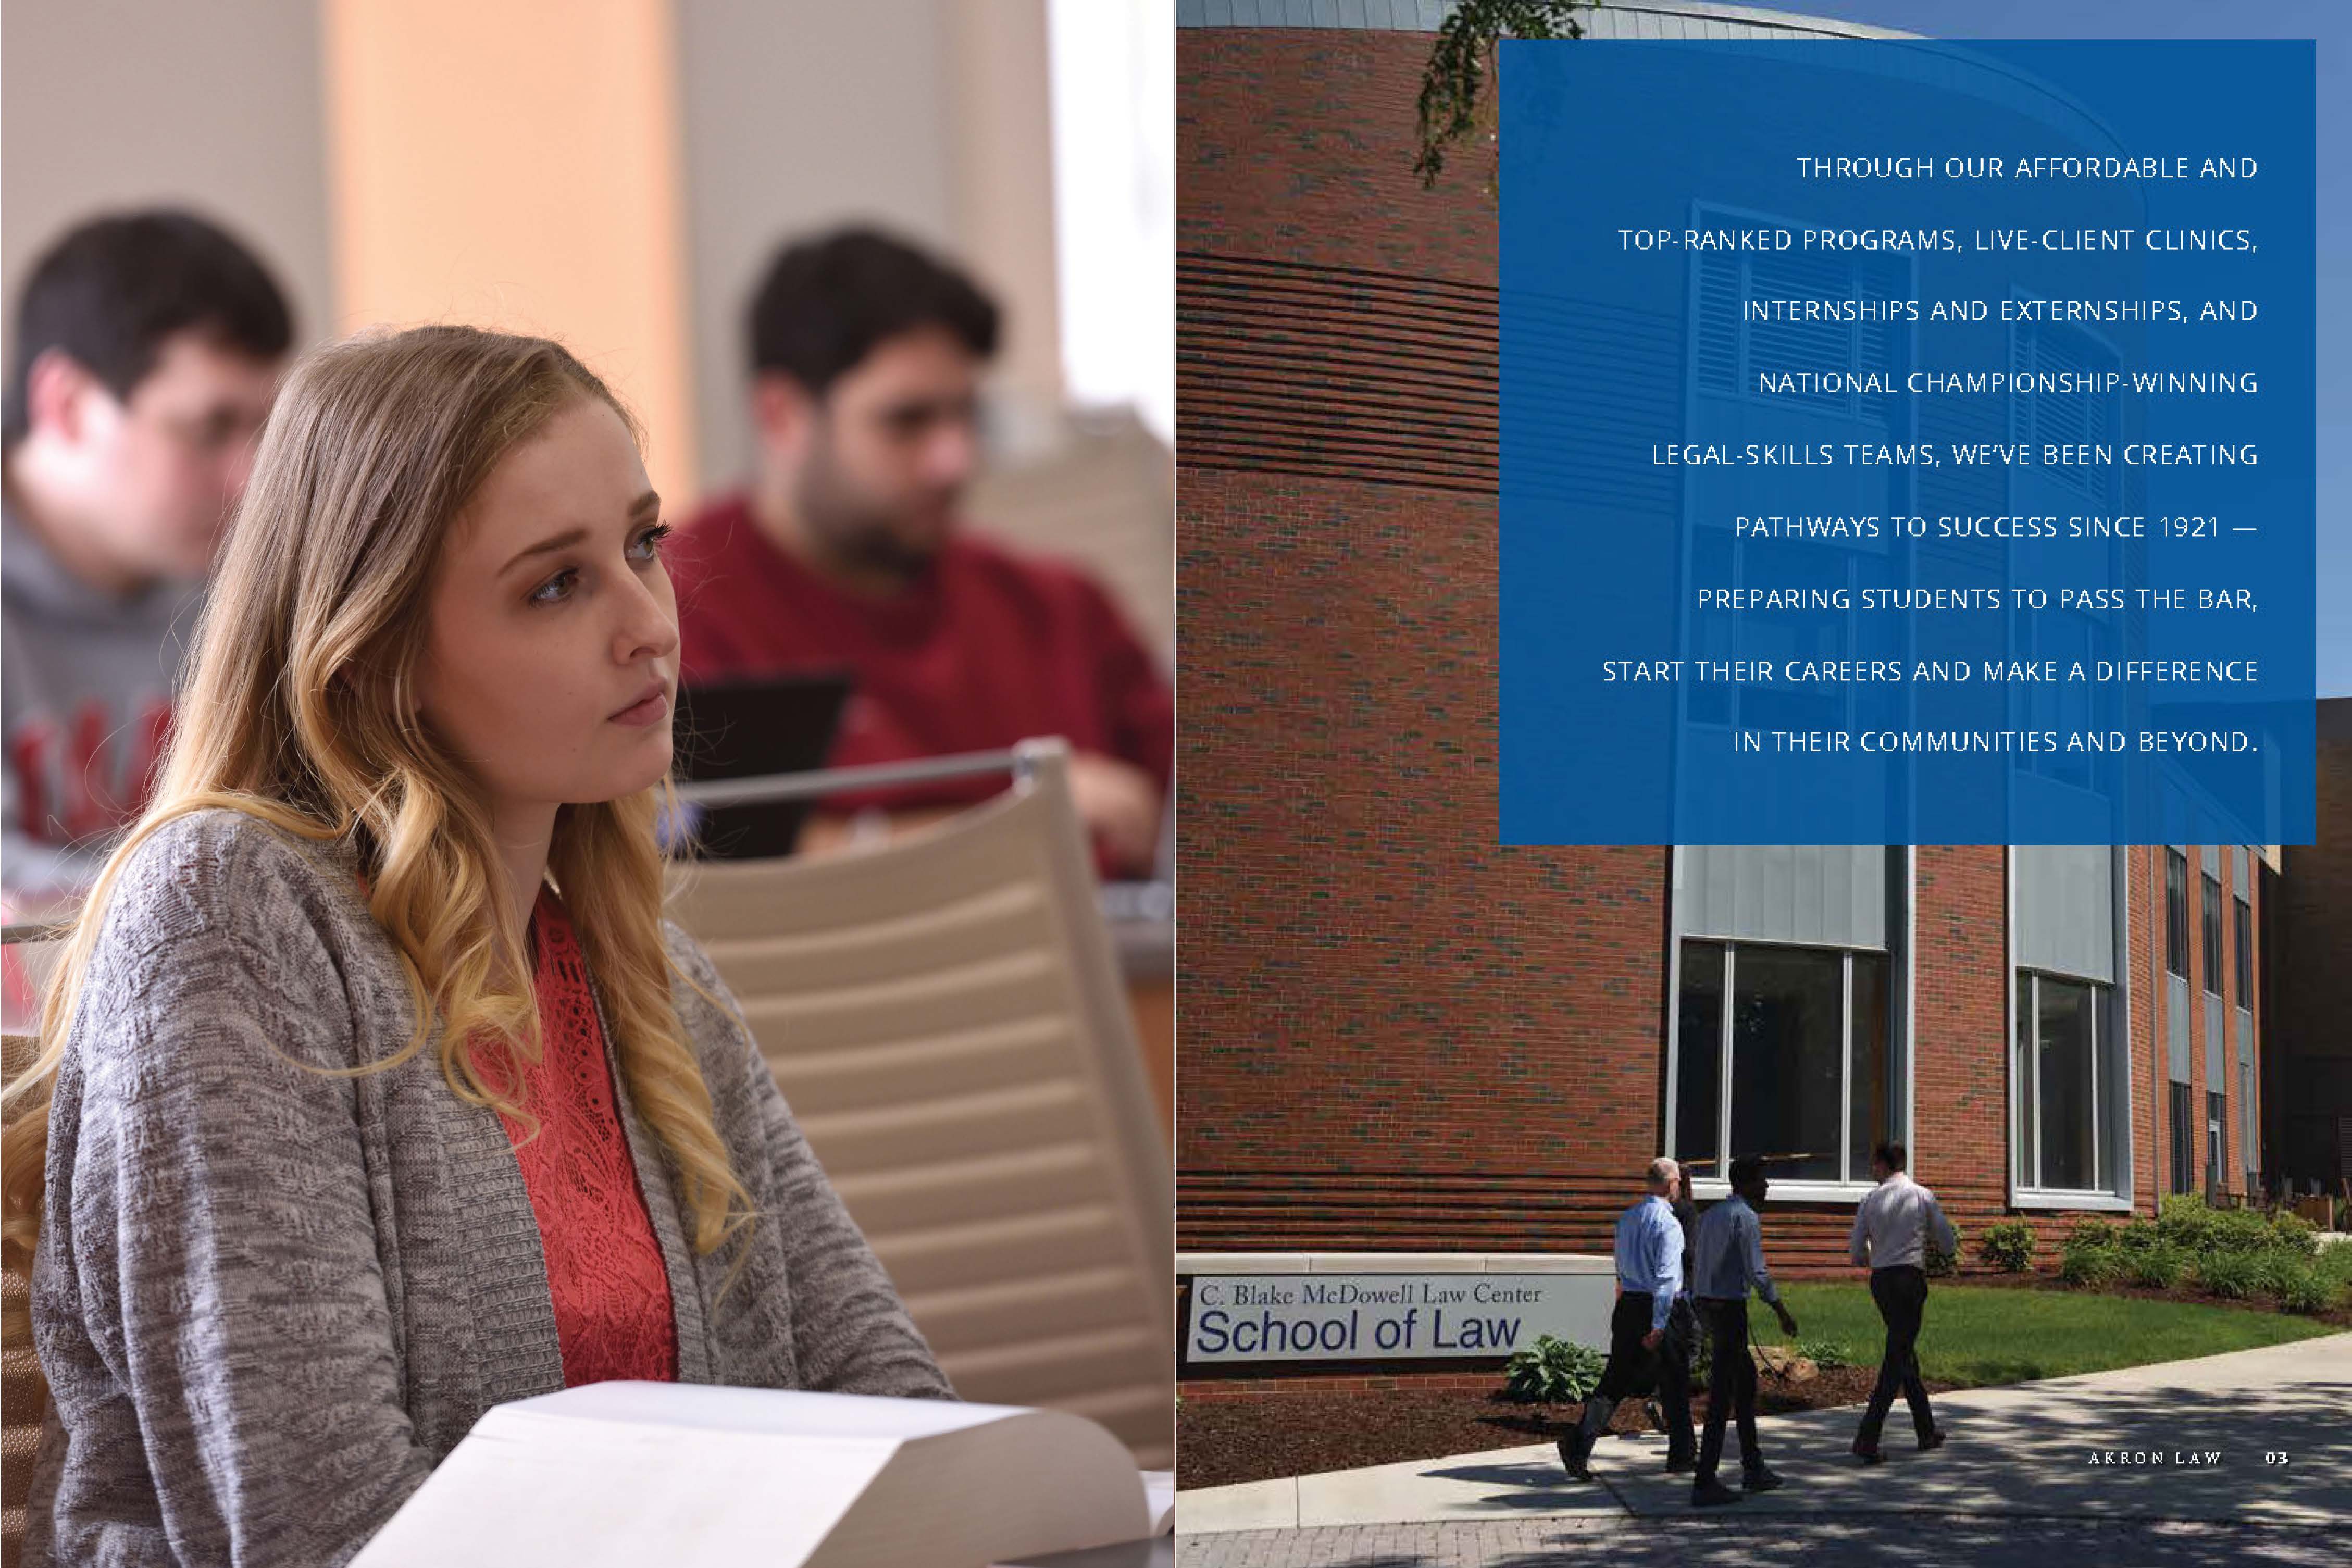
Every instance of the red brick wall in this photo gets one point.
(2312, 978)
(1396, 1034)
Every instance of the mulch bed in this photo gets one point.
(1218, 1443)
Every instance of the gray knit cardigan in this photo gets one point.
(269, 1301)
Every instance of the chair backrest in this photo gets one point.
(945, 1018)
(24, 1393)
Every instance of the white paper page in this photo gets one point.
(531, 1491)
(1159, 1497)
(719, 1407)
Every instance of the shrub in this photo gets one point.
(2300, 1287)
(1552, 1372)
(2273, 1269)
(2229, 1275)
(2238, 1230)
(2092, 1232)
(2183, 1220)
(1824, 1352)
(2008, 1246)
(2138, 1236)
(2294, 1235)
(2088, 1262)
(2335, 1262)
(2158, 1265)
(1935, 1264)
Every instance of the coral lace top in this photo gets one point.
(613, 1311)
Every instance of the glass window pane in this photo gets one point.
(1787, 1059)
(1873, 1086)
(2245, 953)
(1699, 1052)
(2021, 1085)
(2212, 936)
(2066, 1058)
(2176, 913)
(2183, 1136)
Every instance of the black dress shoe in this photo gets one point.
(1867, 1452)
(1760, 1479)
(1711, 1494)
(1572, 1455)
(1681, 1463)
(1932, 1440)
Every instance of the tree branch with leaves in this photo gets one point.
(1456, 99)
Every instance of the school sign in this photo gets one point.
(1352, 1307)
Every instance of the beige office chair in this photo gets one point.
(944, 1015)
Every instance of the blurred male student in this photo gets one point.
(146, 351)
(847, 551)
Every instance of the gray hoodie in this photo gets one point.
(86, 682)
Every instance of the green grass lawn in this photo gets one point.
(1979, 1335)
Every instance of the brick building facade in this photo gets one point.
(1398, 1035)
(2307, 1111)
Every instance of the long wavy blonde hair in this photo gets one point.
(296, 709)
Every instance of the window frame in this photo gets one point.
(2176, 913)
(2028, 1141)
(1726, 1072)
(1901, 1002)
(2245, 953)
(2182, 1105)
(2114, 1066)
(2212, 945)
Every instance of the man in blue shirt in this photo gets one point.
(1648, 1339)
(1728, 1259)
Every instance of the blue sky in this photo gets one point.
(2329, 22)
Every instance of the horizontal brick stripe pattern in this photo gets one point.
(1292, 368)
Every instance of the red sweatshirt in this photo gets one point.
(988, 648)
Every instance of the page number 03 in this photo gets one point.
(2273, 1457)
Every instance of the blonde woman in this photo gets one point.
(378, 1089)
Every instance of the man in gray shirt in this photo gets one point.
(145, 354)
(1728, 1259)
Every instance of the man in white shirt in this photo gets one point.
(1892, 1230)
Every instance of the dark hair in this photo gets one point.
(1746, 1169)
(827, 301)
(111, 289)
(1890, 1155)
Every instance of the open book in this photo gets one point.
(631, 1474)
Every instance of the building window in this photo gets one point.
(2061, 1079)
(2246, 1123)
(2214, 1162)
(2213, 936)
(2184, 1137)
(2176, 913)
(1799, 1036)
(2245, 954)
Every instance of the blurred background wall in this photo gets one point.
(110, 103)
(616, 172)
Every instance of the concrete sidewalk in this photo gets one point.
(2258, 1436)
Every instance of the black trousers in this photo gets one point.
(1901, 1292)
(1634, 1369)
(1732, 1386)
